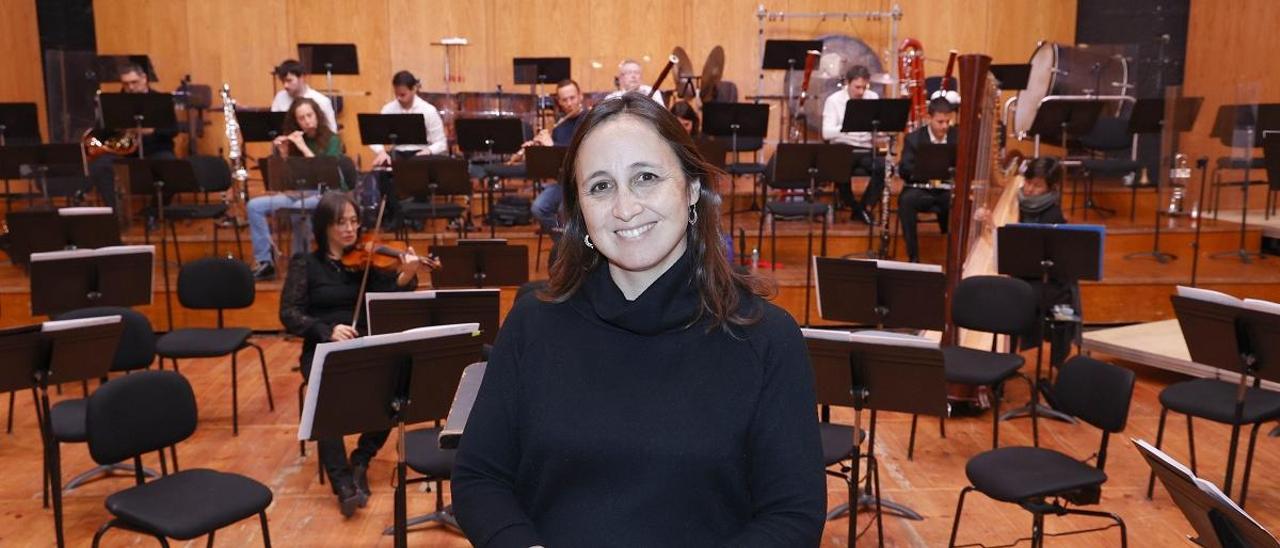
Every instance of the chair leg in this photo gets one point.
(177, 249)
(9, 428)
(996, 394)
(97, 536)
(955, 522)
(1133, 199)
(235, 229)
(1037, 520)
(262, 360)
(1124, 530)
(235, 399)
(209, 543)
(1248, 463)
(215, 246)
(911, 443)
(1191, 445)
(266, 533)
(773, 243)
(173, 454)
(1151, 477)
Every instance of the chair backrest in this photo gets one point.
(995, 304)
(137, 348)
(215, 283)
(1095, 392)
(212, 173)
(1108, 134)
(139, 413)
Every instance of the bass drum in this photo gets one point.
(1058, 69)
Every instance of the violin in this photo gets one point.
(379, 255)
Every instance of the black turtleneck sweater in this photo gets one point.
(607, 422)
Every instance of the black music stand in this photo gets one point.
(463, 400)
(50, 354)
(1012, 77)
(1148, 117)
(297, 174)
(536, 71)
(19, 123)
(876, 116)
(62, 281)
(1061, 118)
(886, 372)
(421, 179)
(39, 162)
(735, 120)
(110, 66)
(41, 230)
(1218, 521)
(494, 136)
(491, 263)
(1236, 340)
(1062, 253)
(1258, 121)
(392, 129)
(260, 126)
(137, 111)
(396, 311)
(812, 162)
(787, 55)
(544, 163)
(382, 382)
(886, 294)
(330, 59)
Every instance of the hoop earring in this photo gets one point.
(693, 215)
(586, 239)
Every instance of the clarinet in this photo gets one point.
(235, 153)
(884, 206)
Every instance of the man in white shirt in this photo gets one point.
(629, 74)
(408, 102)
(293, 76)
(856, 82)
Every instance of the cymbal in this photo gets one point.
(684, 66)
(712, 71)
(884, 79)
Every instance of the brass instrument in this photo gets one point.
(239, 193)
(798, 126)
(911, 80)
(121, 143)
(1178, 177)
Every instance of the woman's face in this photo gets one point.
(1034, 186)
(306, 118)
(343, 231)
(635, 198)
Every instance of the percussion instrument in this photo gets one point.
(1059, 69)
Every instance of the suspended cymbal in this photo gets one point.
(712, 71)
(684, 73)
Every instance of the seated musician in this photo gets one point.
(157, 143)
(688, 117)
(1040, 202)
(919, 195)
(307, 134)
(317, 303)
(407, 101)
(546, 207)
(857, 81)
(629, 79)
(293, 77)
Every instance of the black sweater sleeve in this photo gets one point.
(293, 304)
(484, 472)
(787, 481)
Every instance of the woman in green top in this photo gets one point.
(306, 134)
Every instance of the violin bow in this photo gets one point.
(368, 261)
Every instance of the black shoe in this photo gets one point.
(264, 271)
(348, 498)
(860, 214)
(360, 474)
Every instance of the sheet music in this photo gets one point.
(1206, 486)
(826, 334)
(78, 211)
(893, 339)
(1209, 295)
(324, 349)
(53, 326)
(101, 251)
(914, 267)
(1262, 306)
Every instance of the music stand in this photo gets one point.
(876, 116)
(1218, 521)
(38, 162)
(1063, 253)
(422, 178)
(1012, 77)
(496, 136)
(492, 264)
(1062, 117)
(297, 174)
(1257, 121)
(1148, 117)
(19, 122)
(396, 311)
(537, 71)
(41, 230)
(137, 111)
(260, 126)
(544, 163)
(392, 129)
(787, 55)
(812, 162)
(884, 372)
(62, 281)
(330, 59)
(382, 382)
(886, 294)
(735, 120)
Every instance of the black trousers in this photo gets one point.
(333, 451)
(863, 165)
(914, 201)
(102, 176)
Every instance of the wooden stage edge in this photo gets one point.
(1155, 344)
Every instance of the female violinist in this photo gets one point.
(319, 296)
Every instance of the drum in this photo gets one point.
(447, 105)
(486, 104)
(1058, 69)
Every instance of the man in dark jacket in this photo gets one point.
(920, 194)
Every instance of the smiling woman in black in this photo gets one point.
(650, 397)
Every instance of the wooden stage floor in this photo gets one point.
(304, 512)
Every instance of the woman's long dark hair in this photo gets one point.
(720, 288)
(323, 133)
(329, 211)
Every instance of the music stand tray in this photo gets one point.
(1073, 251)
(787, 54)
(1012, 77)
(481, 265)
(876, 115)
(137, 110)
(260, 126)
(544, 163)
(1148, 114)
(89, 227)
(329, 58)
(19, 123)
(935, 162)
(887, 294)
(422, 178)
(500, 135)
(392, 129)
(396, 311)
(540, 70)
(62, 281)
(295, 174)
(735, 120)
(814, 162)
(1072, 117)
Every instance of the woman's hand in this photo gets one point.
(343, 332)
(412, 263)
